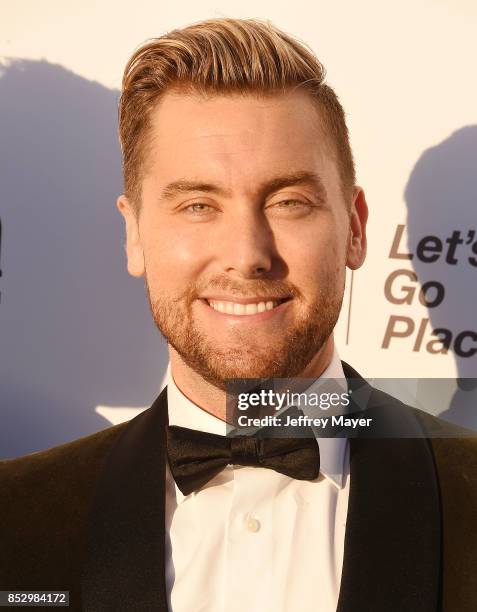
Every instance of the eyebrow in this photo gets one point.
(279, 182)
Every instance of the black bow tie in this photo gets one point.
(195, 457)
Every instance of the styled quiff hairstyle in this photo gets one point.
(222, 56)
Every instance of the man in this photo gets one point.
(242, 213)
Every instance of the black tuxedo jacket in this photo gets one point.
(88, 517)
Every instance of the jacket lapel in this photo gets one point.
(392, 550)
(124, 566)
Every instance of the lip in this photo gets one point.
(252, 318)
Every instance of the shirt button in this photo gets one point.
(252, 524)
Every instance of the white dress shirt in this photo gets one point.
(254, 539)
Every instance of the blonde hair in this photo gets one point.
(222, 56)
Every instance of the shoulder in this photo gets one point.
(75, 460)
(54, 477)
(454, 451)
(455, 454)
(454, 447)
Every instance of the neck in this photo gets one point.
(213, 400)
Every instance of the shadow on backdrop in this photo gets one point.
(75, 328)
(441, 201)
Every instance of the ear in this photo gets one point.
(133, 247)
(357, 232)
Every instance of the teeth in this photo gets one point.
(242, 309)
(251, 309)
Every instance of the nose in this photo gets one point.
(248, 247)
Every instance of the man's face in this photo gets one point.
(243, 234)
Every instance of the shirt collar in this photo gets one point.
(184, 413)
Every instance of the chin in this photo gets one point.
(242, 369)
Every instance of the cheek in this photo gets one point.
(173, 259)
(314, 259)
(304, 251)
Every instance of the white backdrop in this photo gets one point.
(75, 330)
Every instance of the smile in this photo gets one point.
(245, 307)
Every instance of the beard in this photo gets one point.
(284, 355)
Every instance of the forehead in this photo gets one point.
(237, 138)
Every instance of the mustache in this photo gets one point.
(251, 288)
